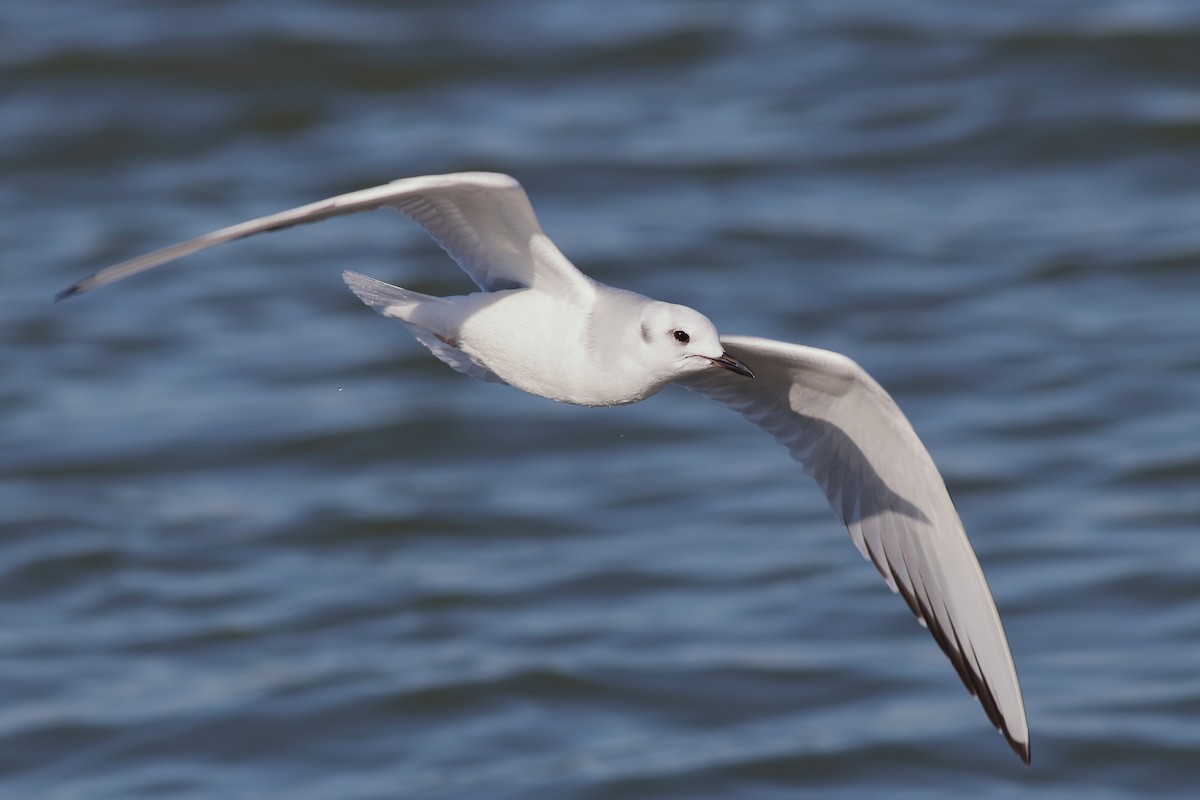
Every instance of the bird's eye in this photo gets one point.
(681, 337)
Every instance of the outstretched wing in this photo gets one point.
(851, 437)
(482, 219)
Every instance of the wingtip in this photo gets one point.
(70, 291)
(1022, 749)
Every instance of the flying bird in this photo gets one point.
(539, 324)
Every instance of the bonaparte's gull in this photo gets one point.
(541, 325)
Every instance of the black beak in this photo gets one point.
(732, 364)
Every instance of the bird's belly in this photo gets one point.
(539, 346)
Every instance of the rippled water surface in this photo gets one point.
(256, 542)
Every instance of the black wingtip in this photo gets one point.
(67, 292)
(1022, 749)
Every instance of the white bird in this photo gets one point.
(542, 326)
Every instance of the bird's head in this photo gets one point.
(680, 341)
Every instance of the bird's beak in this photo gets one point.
(732, 364)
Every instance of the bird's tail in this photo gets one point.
(391, 301)
(420, 314)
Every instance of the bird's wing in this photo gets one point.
(851, 437)
(482, 219)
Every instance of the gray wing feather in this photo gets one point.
(851, 437)
(482, 219)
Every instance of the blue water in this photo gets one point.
(256, 542)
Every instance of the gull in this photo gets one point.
(540, 325)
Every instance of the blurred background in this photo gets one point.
(256, 542)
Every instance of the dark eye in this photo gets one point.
(681, 337)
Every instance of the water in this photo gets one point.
(258, 543)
